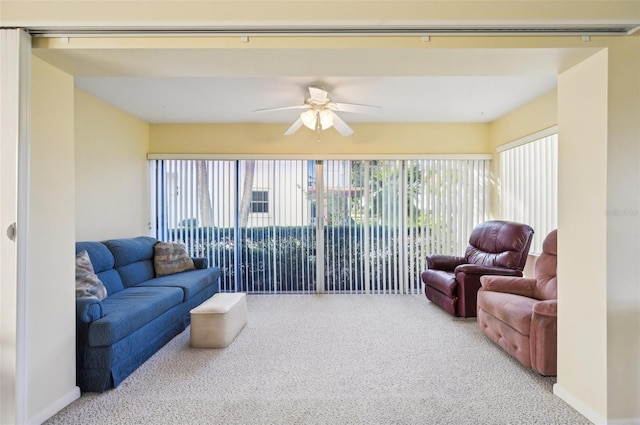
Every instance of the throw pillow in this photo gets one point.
(87, 282)
(170, 258)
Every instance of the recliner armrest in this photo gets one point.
(489, 270)
(546, 308)
(88, 309)
(509, 284)
(200, 262)
(444, 262)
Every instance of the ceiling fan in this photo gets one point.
(319, 112)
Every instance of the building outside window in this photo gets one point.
(260, 201)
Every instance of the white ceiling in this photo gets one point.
(233, 99)
(227, 85)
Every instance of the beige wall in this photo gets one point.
(537, 115)
(582, 237)
(623, 230)
(599, 238)
(112, 179)
(367, 138)
(50, 308)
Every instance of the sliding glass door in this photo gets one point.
(251, 218)
(334, 226)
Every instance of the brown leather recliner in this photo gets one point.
(520, 315)
(495, 248)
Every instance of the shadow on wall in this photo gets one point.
(528, 267)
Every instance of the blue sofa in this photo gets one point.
(140, 314)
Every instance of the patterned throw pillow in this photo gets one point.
(170, 258)
(87, 282)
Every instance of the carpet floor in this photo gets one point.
(333, 359)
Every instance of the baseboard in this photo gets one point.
(56, 406)
(635, 421)
(588, 412)
(580, 406)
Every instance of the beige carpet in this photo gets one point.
(333, 359)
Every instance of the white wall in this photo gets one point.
(50, 307)
(112, 177)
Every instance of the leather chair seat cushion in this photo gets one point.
(444, 282)
(513, 310)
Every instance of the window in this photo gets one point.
(347, 226)
(260, 201)
(529, 183)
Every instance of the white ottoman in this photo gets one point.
(217, 321)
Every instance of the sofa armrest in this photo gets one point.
(200, 262)
(509, 284)
(444, 262)
(546, 308)
(88, 309)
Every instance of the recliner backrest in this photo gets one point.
(546, 269)
(500, 243)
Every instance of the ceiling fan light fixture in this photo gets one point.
(309, 119)
(326, 118)
(321, 113)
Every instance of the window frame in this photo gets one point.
(255, 202)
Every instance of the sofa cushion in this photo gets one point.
(87, 282)
(103, 262)
(130, 309)
(130, 250)
(101, 258)
(111, 280)
(170, 258)
(191, 282)
(514, 310)
(137, 272)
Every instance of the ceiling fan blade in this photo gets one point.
(283, 108)
(294, 127)
(341, 126)
(354, 107)
(318, 95)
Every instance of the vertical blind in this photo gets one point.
(322, 226)
(529, 186)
